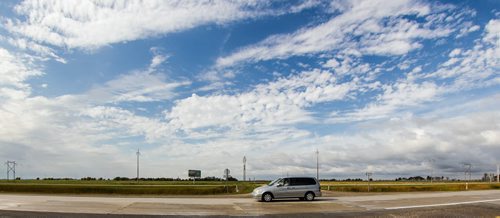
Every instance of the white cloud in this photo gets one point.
(493, 31)
(455, 52)
(466, 69)
(276, 103)
(475, 67)
(91, 24)
(90, 129)
(51, 137)
(467, 28)
(44, 51)
(364, 27)
(139, 86)
(15, 68)
(400, 95)
(157, 60)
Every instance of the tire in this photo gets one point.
(309, 196)
(267, 197)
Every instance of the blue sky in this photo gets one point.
(385, 87)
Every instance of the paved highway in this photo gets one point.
(479, 203)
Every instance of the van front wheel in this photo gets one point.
(267, 197)
(309, 196)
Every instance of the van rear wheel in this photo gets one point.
(309, 196)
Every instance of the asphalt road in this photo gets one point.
(457, 204)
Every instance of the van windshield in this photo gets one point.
(274, 181)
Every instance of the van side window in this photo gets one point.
(301, 181)
(310, 181)
(286, 182)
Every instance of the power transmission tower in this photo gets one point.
(138, 154)
(432, 169)
(11, 167)
(467, 171)
(244, 168)
(368, 175)
(498, 173)
(317, 164)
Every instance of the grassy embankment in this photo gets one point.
(213, 187)
(384, 186)
(124, 187)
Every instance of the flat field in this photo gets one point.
(215, 187)
(393, 186)
(126, 187)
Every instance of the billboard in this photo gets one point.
(194, 173)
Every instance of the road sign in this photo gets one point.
(194, 173)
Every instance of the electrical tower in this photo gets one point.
(368, 176)
(11, 167)
(467, 171)
(138, 154)
(498, 173)
(432, 168)
(244, 168)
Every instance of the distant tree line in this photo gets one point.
(210, 178)
(88, 178)
(343, 180)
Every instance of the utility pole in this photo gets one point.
(244, 168)
(138, 154)
(317, 164)
(11, 167)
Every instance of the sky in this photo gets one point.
(397, 88)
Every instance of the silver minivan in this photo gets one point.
(304, 188)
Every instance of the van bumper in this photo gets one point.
(257, 196)
(317, 193)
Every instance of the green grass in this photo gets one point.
(213, 187)
(125, 187)
(407, 186)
